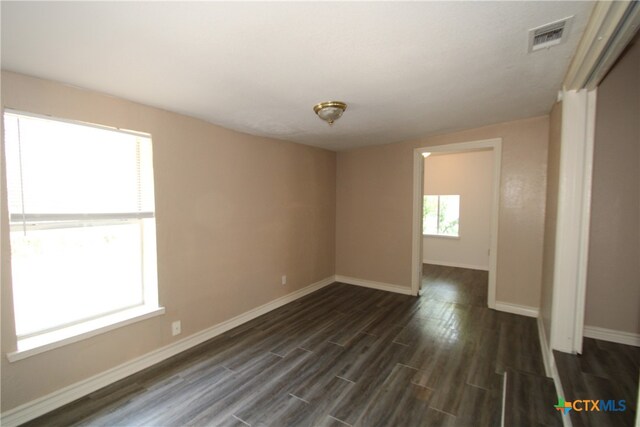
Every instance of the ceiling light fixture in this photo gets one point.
(330, 111)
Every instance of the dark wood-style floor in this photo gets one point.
(344, 355)
(603, 371)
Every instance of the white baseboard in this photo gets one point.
(547, 355)
(550, 368)
(374, 285)
(566, 418)
(504, 398)
(456, 264)
(620, 337)
(42, 405)
(522, 310)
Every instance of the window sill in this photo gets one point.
(39, 344)
(441, 236)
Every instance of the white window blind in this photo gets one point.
(65, 171)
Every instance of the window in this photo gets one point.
(81, 215)
(441, 215)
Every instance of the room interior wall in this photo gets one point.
(613, 272)
(551, 216)
(234, 212)
(374, 208)
(469, 175)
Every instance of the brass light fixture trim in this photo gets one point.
(330, 111)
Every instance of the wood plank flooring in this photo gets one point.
(530, 400)
(603, 371)
(344, 355)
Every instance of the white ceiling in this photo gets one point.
(405, 69)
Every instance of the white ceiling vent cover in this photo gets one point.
(550, 34)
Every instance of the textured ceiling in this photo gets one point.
(405, 69)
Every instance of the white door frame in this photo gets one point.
(418, 182)
(611, 26)
(573, 217)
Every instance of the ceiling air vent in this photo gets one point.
(550, 34)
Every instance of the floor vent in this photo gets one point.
(549, 35)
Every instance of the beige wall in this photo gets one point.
(469, 175)
(551, 217)
(234, 212)
(613, 275)
(374, 208)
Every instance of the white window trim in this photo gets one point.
(38, 343)
(442, 236)
(76, 122)
(44, 342)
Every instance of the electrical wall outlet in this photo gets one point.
(176, 328)
(284, 279)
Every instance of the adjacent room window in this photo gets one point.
(441, 215)
(81, 213)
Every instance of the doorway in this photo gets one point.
(495, 145)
